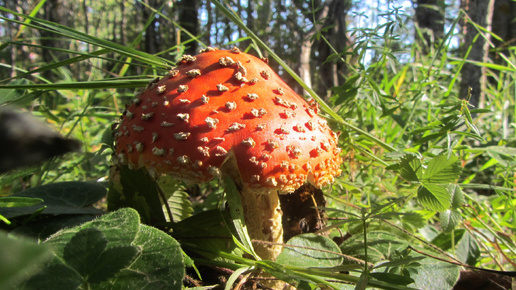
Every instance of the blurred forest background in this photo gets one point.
(426, 77)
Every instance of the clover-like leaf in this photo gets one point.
(449, 220)
(114, 251)
(457, 196)
(411, 168)
(84, 249)
(442, 170)
(434, 197)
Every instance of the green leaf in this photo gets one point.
(54, 276)
(138, 190)
(18, 201)
(98, 264)
(504, 155)
(105, 251)
(441, 170)
(457, 196)
(400, 262)
(105, 84)
(411, 168)
(206, 233)
(382, 244)
(60, 198)
(89, 240)
(445, 241)
(435, 274)
(468, 250)
(434, 197)
(10, 95)
(310, 250)
(20, 258)
(237, 214)
(111, 262)
(41, 229)
(236, 274)
(119, 227)
(159, 266)
(391, 278)
(449, 220)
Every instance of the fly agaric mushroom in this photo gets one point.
(227, 103)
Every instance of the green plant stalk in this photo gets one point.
(364, 225)
(309, 273)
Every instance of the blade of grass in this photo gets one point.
(108, 84)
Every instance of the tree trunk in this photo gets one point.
(151, 35)
(429, 23)
(503, 25)
(473, 76)
(189, 20)
(58, 12)
(328, 74)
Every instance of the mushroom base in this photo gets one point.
(262, 213)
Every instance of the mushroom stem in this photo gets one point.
(262, 214)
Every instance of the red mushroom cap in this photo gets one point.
(220, 101)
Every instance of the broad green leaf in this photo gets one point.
(180, 205)
(434, 197)
(98, 264)
(114, 251)
(400, 262)
(41, 229)
(60, 198)
(449, 220)
(89, 240)
(382, 244)
(54, 276)
(112, 261)
(310, 250)
(206, 234)
(468, 250)
(441, 170)
(159, 266)
(119, 228)
(434, 274)
(178, 199)
(20, 258)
